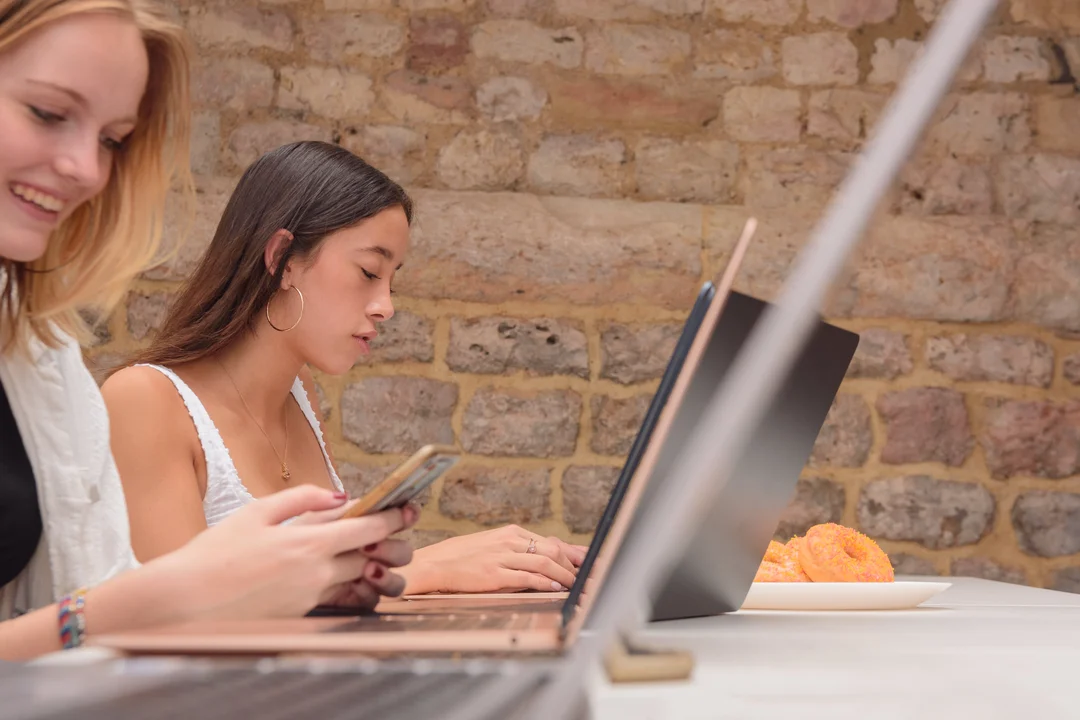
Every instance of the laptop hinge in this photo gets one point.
(627, 663)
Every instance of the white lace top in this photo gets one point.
(225, 493)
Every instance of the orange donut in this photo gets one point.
(834, 553)
(780, 564)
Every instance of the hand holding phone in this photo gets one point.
(408, 480)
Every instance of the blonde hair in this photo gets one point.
(96, 252)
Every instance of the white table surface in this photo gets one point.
(980, 649)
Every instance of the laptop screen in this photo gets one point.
(641, 441)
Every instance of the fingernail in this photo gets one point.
(341, 496)
(371, 547)
(377, 573)
(555, 585)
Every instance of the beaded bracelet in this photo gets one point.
(72, 622)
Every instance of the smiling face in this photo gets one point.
(69, 96)
(346, 291)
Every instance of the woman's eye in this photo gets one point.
(45, 116)
(368, 275)
(112, 145)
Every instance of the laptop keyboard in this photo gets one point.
(388, 622)
(276, 694)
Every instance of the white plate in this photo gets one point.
(841, 596)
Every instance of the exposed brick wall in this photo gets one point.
(581, 166)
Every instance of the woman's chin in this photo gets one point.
(22, 245)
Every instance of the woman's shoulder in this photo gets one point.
(139, 387)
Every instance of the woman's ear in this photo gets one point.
(275, 249)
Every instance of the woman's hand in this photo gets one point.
(253, 566)
(494, 561)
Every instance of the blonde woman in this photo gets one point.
(93, 127)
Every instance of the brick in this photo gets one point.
(146, 312)
(449, 5)
(521, 423)
(496, 496)
(486, 247)
(946, 186)
(330, 92)
(981, 123)
(331, 38)
(98, 327)
(1032, 438)
(780, 235)
(892, 58)
(762, 114)
(945, 269)
(358, 4)
(397, 151)
(1010, 59)
(510, 98)
(636, 352)
(186, 237)
(498, 345)
(1071, 369)
(520, 41)
(517, 8)
(1047, 14)
(227, 25)
(925, 425)
(634, 10)
(578, 165)
(816, 501)
(1055, 123)
(987, 569)
(825, 58)
(1043, 188)
(481, 160)
(850, 13)
(1046, 285)
(992, 358)
(205, 142)
(232, 84)
(906, 564)
(621, 49)
(586, 491)
(935, 513)
(615, 423)
(763, 12)
(406, 337)
(436, 43)
(419, 537)
(739, 55)
(846, 435)
(928, 9)
(688, 171)
(250, 141)
(1066, 580)
(618, 102)
(1047, 524)
(413, 98)
(358, 480)
(882, 355)
(397, 414)
(787, 177)
(843, 115)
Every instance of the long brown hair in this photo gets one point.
(94, 254)
(311, 189)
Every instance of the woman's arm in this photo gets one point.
(153, 443)
(248, 567)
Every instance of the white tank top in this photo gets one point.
(225, 493)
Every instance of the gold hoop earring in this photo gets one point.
(297, 319)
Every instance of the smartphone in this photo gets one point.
(408, 480)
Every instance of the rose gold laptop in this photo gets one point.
(529, 622)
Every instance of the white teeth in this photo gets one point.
(43, 201)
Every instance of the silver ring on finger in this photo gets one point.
(532, 546)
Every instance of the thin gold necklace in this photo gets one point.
(285, 474)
